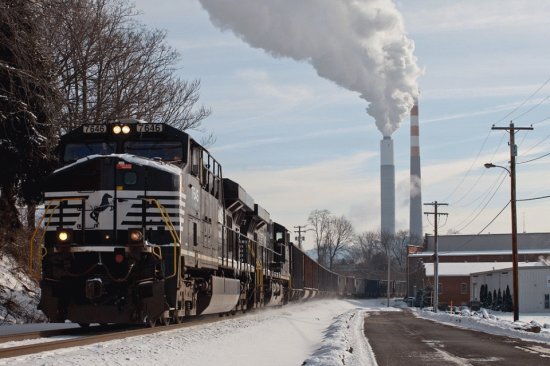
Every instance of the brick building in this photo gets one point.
(461, 255)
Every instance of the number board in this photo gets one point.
(94, 128)
(149, 127)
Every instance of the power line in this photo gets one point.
(525, 101)
(461, 226)
(533, 198)
(470, 168)
(454, 203)
(493, 220)
(538, 143)
(481, 231)
(533, 107)
(537, 158)
(487, 137)
(542, 120)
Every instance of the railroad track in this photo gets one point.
(87, 336)
(77, 331)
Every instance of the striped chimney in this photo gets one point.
(387, 186)
(415, 222)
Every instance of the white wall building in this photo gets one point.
(534, 286)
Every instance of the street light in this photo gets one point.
(512, 173)
(491, 165)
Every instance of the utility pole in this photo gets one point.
(389, 267)
(436, 255)
(301, 228)
(513, 153)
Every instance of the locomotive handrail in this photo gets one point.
(259, 267)
(172, 230)
(47, 208)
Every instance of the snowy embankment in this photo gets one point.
(344, 343)
(19, 295)
(495, 323)
(321, 332)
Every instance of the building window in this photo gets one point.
(547, 301)
(463, 288)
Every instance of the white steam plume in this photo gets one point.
(360, 45)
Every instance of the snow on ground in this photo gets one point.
(321, 332)
(495, 322)
(19, 295)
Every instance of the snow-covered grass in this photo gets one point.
(495, 323)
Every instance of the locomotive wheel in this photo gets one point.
(150, 322)
(164, 321)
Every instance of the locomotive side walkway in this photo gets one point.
(399, 338)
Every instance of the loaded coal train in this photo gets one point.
(142, 227)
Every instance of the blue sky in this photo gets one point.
(297, 142)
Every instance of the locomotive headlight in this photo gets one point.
(117, 129)
(125, 129)
(64, 236)
(135, 236)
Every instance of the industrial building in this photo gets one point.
(462, 255)
(534, 286)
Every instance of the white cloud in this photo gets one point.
(433, 16)
(264, 87)
(478, 92)
(292, 193)
(245, 144)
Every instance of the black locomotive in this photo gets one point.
(141, 227)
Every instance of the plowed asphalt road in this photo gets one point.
(399, 338)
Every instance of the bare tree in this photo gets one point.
(371, 250)
(399, 249)
(27, 110)
(320, 220)
(332, 235)
(365, 246)
(340, 235)
(110, 66)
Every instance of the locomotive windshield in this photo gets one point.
(164, 150)
(153, 141)
(75, 151)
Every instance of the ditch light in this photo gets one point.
(64, 236)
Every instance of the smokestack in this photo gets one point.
(415, 220)
(387, 186)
